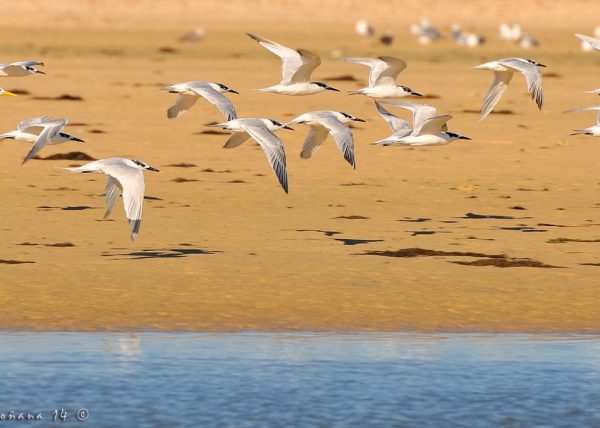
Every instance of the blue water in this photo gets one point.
(301, 380)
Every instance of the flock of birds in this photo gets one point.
(428, 128)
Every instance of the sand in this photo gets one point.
(223, 248)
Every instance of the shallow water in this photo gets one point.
(301, 380)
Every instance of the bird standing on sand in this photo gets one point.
(592, 130)
(261, 130)
(382, 77)
(503, 72)
(326, 122)
(124, 175)
(20, 68)
(40, 131)
(189, 92)
(296, 70)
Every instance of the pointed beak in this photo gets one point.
(9, 93)
(357, 119)
(40, 72)
(462, 137)
(540, 65)
(416, 94)
(287, 127)
(150, 168)
(233, 91)
(329, 88)
(77, 139)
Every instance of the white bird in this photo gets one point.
(432, 132)
(503, 72)
(425, 32)
(296, 70)
(401, 127)
(189, 92)
(592, 130)
(326, 122)
(511, 33)
(40, 131)
(590, 41)
(261, 130)
(382, 77)
(20, 68)
(124, 175)
(462, 38)
(363, 28)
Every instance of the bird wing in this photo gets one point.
(131, 181)
(384, 69)
(420, 112)
(316, 136)
(435, 125)
(342, 135)
(595, 43)
(27, 63)
(28, 122)
(236, 139)
(297, 65)
(396, 124)
(533, 77)
(499, 85)
(111, 194)
(586, 108)
(223, 103)
(273, 148)
(182, 104)
(51, 128)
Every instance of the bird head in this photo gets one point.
(325, 86)
(225, 88)
(274, 125)
(141, 165)
(345, 117)
(535, 63)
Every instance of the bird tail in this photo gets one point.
(7, 135)
(357, 92)
(581, 132)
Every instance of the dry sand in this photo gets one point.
(226, 249)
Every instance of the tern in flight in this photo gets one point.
(189, 92)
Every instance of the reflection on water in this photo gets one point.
(297, 380)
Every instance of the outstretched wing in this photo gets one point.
(397, 125)
(595, 43)
(420, 112)
(111, 194)
(236, 139)
(273, 148)
(587, 108)
(182, 104)
(533, 77)
(30, 122)
(384, 69)
(316, 136)
(435, 125)
(297, 65)
(341, 135)
(219, 100)
(499, 85)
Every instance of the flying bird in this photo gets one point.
(124, 176)
(295, 71)
(326, 122)
(503, 72)
(261, 130)
(382, 77)
(20, 68)
(189, 92)
(40, 131)
(592, 130)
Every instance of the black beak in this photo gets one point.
(416, 94)
(150, 168)
(40, 71)
(462, 137)
(77, 139)
(329, 88)
(233, 92)
(356, 119)
(541, 65)
(287, 127)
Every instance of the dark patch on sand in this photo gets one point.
(414, 220)
(63, 97)
(184, 180)
(325, 232)
(486, 216)
(237, 181)
(60, 245)
(357, 241)
(152, 198)
(506, 263)
(96, 131)
(20, 91)
(342, 78)
(67, 156)
(503, 111)
(163, 253)
(167, 49)
(211, 132)
(522, 229)
(217, 172)
(518, 207)
(14, 262)
(352, 217)
(421, 232)
(182, 165)
(565, 240)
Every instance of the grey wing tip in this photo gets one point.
(135, 228)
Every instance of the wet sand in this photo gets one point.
(223, 248)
